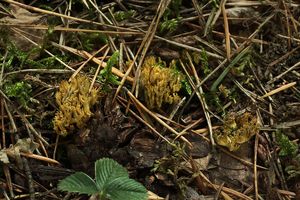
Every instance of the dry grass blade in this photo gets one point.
(199, 12)
(132, 97)
(220, 71)
(152, 196)
(147, 40)
(72, 30)
(62, 15)
(255, 168)
(89, 59)
(149, 125)
(282, 58)
(41, 158)
(190, 47)
(284, 73)
(242, 160)
(204, 183)
(87, 55)
(8, 180)
(281, 88)
(189, 127)
(232, 192)
(200, 94)
(98, 69)
(144, 47)
(226, 27)
(41, 71)
(2, 125)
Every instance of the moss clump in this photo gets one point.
(236, 130)
(75, 102)
(160, 83)
(19, 90)
(287, 147)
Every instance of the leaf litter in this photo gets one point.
(216, 116)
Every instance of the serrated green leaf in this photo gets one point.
(80, 183)
(124, 188)
(107, 170)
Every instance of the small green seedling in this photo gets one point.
(106, 76)
(287, 147)
(111, 182)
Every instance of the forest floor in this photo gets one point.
(196, 99)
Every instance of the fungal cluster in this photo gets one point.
(74, 101)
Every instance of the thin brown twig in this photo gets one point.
(226, 28)
(148, 125)
(41, 158)
(133, 98)
(85, 62)
(87, 55)
(281, 88)
(98, 69)
(199, 93)
(27, 7)
(48, 52)
(255, 167)
(73, 30)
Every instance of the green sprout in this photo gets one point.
(122, 15)
(287, 147)
(106, 76)
(171, 17)
(169, 25)
(202, 59)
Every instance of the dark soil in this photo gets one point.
(233, 134)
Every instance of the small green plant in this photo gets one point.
(24, 58)
(293, 170)
(202, 59)
(287, 147)
(89, 41)
(106, 76)
(21, 91)
(122, 15)
(169, 25)
(171, 17)
(111, 182)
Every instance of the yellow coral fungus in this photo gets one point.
(236, 130)
(74, 102)
(160, 84)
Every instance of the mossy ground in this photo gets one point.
(222, 70)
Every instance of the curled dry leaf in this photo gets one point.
(25, 145)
